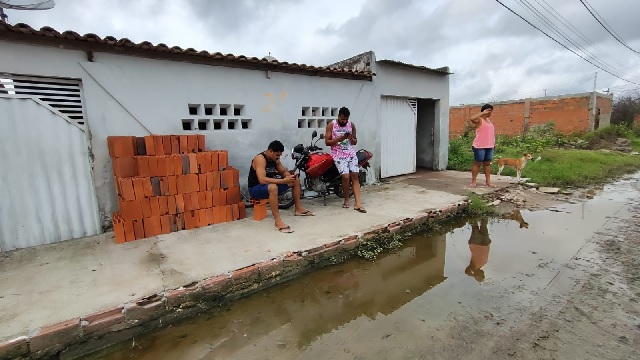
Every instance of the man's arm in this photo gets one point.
(260, 164)
(328, 138)
(352, 138)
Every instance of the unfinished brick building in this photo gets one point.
(570, 113)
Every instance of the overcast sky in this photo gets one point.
(494, 54)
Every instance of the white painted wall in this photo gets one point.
(126, 95)
(397, 81)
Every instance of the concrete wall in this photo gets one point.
(570, 113)
(400, 81)
(126, 95)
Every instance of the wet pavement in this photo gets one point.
(477, 276)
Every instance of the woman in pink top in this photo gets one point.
(483, 145)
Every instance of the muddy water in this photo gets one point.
(400, 305)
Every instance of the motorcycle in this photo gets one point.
(321, 173)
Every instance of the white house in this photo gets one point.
(64, 93)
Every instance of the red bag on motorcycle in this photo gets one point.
(318, 164)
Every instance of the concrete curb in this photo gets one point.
(85, 334)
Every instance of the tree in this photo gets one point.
(625, 109)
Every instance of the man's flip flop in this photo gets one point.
(490, 185)
(360, 210)
(286, 230)
(306, 213)
(345, 206)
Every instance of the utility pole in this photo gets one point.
(545, 92)
(593, 108)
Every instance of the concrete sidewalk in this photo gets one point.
(50, 284)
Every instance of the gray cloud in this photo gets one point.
(491, 51)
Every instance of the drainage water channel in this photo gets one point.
(402, 304)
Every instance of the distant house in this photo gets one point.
(570, 113)
(69, 92)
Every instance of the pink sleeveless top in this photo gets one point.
(343, 149)
(485, 136)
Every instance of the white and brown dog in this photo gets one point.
(517, 164)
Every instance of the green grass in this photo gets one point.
(564, 162)
(478, 207)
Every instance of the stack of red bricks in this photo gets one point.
(168, 183)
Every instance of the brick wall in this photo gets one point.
(570, 114)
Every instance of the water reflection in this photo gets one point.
(479, 245)
(299, 312)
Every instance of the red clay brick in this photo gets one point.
(180, 205)
(190, 220)
(217, 181)
(170, 169)
(201, 143)
(193, 163)
(138, 188)
(195, 200)
(138, 229)
(171, 205)
(165, 224)
(129, 230)
(218, 216)
(215, 164)
(216, 286)
(223, 158)
(121, 146)
(166, 143)
(233, 195)
(153, 166)
(157, 143)
(164, 186)
(180, 184)
(202, 217)
(58, 334)
(180, 222)
(155, 206)
(177, 164)
(101, 321)
(163, 204)
(184, 144)
(162, 166)
(235, 212)
(127, 192)
(173, 185)
(194, 183)
(131, 210)
(118, 231)
(219, 197)
(143, 165)
(149, 145)
(202, 182)
(16, 348)
(210, 217)
(226, 180)
(202, 166)
(229, 213)
(146, 207)
(152, 226)
(192, 143)
(175, 145)
(125, 167)
(242, 210)
(139, 147)
(202, 200)
(148, 189)
(188, 206)
(208, 199)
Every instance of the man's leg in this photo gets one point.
(355, 181)
(343, 169)
(273, 205)
(297, 195)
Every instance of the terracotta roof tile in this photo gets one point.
(28, 34)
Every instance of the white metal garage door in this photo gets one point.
(398, 136)
(46, 186)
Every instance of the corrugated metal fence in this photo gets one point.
(46, 188)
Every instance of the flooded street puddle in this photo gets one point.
(396, 306)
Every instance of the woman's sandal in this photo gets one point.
(345, 206)
(362, 210)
